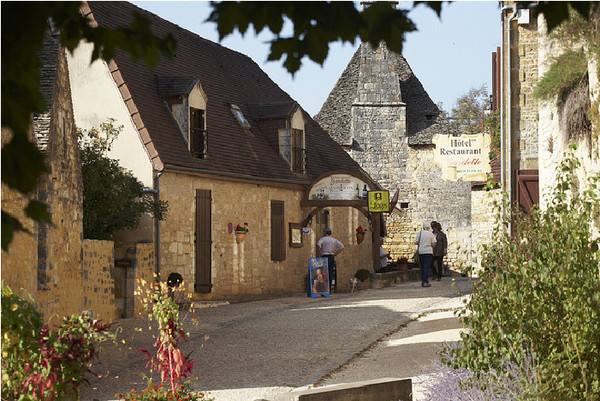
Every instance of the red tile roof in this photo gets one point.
(227, 77)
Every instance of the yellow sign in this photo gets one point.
(378, 201)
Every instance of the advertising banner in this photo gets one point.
(318, 277)
(464, 157)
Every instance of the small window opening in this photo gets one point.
(403, 205)
(240, 117)
(198, 134)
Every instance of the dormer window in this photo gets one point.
(298, 162)
(198, 137)
(187, 102)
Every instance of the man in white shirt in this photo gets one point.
(330, 248)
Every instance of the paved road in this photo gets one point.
(262, 348)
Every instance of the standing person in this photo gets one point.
(426, 241)
(383, 255)
(330, 248)
(439, 250)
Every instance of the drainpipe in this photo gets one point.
(156, 193)
(506, 173)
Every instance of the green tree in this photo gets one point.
(472, 115)
(314, 24)
(469, 111)
(113, 199)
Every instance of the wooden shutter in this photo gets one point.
(202, 281)
(528, 189)
(277, 231)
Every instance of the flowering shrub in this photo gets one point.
(40, 364)
(243, 228)
(360, 230)
(168, 360)
(510, 381)
(162, 392)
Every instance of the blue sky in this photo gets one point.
(449, 55)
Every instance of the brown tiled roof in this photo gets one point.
(177, 85)
(272, 110)
(227, 77)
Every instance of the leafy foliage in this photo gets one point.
(469, 109)
(172, 365)
(510, 381)
(24, 25)
(40, 364)
(566, 70)
(113, 199)
(541, 290)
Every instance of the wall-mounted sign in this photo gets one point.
(464, 157)
(339, 187)
(229, 227)
(379, 201)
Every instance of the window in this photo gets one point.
(237, 113)
(277, 231)
(198, 135)
(298, 162)
(403, 205)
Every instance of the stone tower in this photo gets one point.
(379, 112)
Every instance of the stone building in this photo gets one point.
(379, 112)
(53, 265)
(536, 133)
(210, 133)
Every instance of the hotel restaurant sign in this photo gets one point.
(464, 157)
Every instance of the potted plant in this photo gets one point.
(360, 234)
(402, 264)
(240, 233)
(363, 276)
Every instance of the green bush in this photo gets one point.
(21, 325)
(38, 363)
(541, 292)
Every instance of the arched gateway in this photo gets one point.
(343, 188)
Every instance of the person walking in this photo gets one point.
(426, 241)
(330, 247)
(439, 250)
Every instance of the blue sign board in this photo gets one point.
(318, 277)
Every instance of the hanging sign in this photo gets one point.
(464, 157)
(339, 187)
(378, 201)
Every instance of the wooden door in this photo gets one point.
(203, 274)
(528, 189)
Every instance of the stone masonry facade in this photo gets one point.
(246, 269)
(52, 265)
(388, 130)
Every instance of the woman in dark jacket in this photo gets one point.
(439, 250)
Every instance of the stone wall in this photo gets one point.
(525, 108)
(246, 268)
(484, 216)
(429, 198)
(98, 279)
